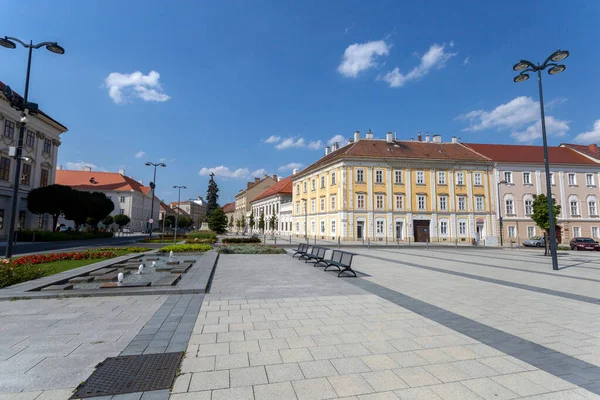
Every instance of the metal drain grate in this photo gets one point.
(129, 374)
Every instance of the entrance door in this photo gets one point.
(421, 231)
(478, 231)
(359, 229)
(558, 231)
(399, 230)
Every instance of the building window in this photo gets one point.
(589, 179)
(510, 209)
(333, 227)
(397, 176)
(462, 203)
(312, 206)
(297, 227)
(322, 204)
(379, 176)
(572, 180)
(360, 201)
(305, 187)
(399, 202)
(122, 211)
(574, 208)
(477, 178)
(22, 217)
(576, 231)
(552, 178)
(380, 230)
(420, 177)
(4, 168)
(460, 178)
(297, 188)
(442, 178)
(508, 177)
(323, 182)
(443, 228)
(26, 174)
(528, 207)
(47, 146)
(526, 178)
(462, 227)
(421, 202)
(592, 208)
(360, 175)
(122, 199)
(595, 233)
(9, 128)
(443, 203)
(314, 185)
(312, 226)
(332, 203)
(333, 178)
(30, 139)
(322, 227)
(530, 231)
(512, 231)
(44, 177)
(379, 201)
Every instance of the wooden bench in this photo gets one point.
(342, 260)
(317, 254)
(302, 248)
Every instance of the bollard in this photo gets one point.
(290, 239)
(338, 242)
(398, 240)
(363, 240)
(315, 239)
(484, 243)
(427, 243)
(386, 242)
(275, 240)
(409, 241)
(33, 239)
(369, 242)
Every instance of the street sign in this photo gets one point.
(151, 221)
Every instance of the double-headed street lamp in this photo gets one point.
(523, 67)
(153, 187)
(178, 205)
(9, 43)
(500, 212)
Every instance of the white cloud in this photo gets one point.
(259, 173)
(554, 127)
(435, 57)
(466, 61)
(79, 165)
(316, 145)
(337, 138)
(592, 136)
(121, 87)
(289, 143)
(359, 57)
(140, 154)
(290, 166)
(239, 173)
(273, 139)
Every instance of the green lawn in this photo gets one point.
(55, 267)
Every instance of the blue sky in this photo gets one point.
(229, 75)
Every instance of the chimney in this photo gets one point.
(256, 180)
(356, 136)
(427, 137)
(454, 140)
(87, 169)
(294, 171)
(336, 146)
(388, 137)
(593, 148)
(437, 139)
(275, 178)
(327, 150)
(122, 171)
(369, 134)
(419, 137)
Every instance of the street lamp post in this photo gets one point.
(500, 213)
(178, 205)
(153, 187)
(9, 43)
(522, 67)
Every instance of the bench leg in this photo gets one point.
(347, 270)
(331, 265)
(317, 263)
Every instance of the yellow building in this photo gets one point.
(395, 190)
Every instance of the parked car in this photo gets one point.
(126, 230)
(583, 243)
(536, 241)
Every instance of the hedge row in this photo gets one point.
(241, 240)
(44, 236)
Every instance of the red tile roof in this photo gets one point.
(229, 208)
(511, 153)
(103, 181)
(591, 150)
(284, 186)
(376, 148)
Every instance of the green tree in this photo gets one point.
(261, 221)
(77, 207)
(217, 221)
(540, 214)
(170, 220)
(98, 207)
(251, 222)
(273, 221)
(231, 222)
(212, 197)
(121, 220)
(184, 221)
(108, 221)
(52, 199)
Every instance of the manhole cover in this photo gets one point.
(129, 374)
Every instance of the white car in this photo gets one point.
(126, 230)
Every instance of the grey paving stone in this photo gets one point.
(284, 372)
(275, 391)
(248, 376)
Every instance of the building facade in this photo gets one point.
(245, 197)
(275, 201)
(229, 211)
(196, 209)
(40, 151)
(129, 196)
(388, 190)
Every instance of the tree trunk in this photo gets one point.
(546, 242)
(54, 221)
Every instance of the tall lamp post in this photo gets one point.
(153, 187)
(178, 205)
(523, 67)
(9, 43)
(500, 213)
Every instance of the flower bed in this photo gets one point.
(201, 241)
(250, 249)
(202, 235)
(241, 240)
(186, 248)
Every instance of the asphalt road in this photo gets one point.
(27, 248)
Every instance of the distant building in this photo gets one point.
(245, 197)
(277, 201)
(40, 150)
(165, 211)
(229, 211)
(129, 196)
(196, 209)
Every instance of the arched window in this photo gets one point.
(509, 205)
(592, 206)
(574, 206)
(528, 204)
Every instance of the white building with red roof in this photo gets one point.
(275, 201)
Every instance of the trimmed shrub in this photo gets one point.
(250, 249)
(44, 236)
(241, 240)
(186, 248)
(202, 235)
(123, 249)
(201, 241)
